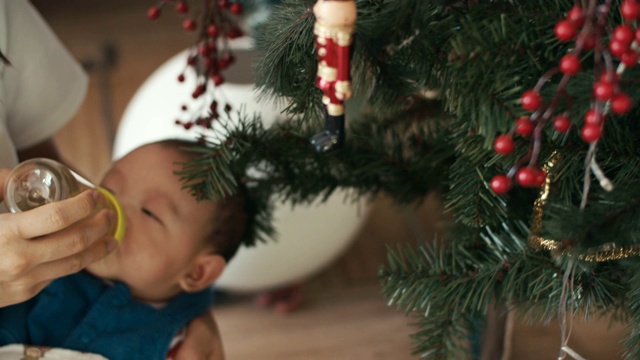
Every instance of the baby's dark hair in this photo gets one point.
(230, 217)
(229, 224)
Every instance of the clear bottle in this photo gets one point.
(41, 181)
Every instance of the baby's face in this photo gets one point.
(165, 225)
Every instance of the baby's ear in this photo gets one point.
(203, 272)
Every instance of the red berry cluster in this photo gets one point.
(587, 28)
(211, 54)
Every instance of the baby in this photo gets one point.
(134, 302)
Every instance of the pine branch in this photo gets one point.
(479, 57)
(441, 336)
(405, 157)
(632, 343)
(484, 207)
(609, 216)
(286, 66)
(461, 279)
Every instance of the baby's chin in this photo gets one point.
(104, 268)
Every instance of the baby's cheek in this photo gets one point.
(132, 232)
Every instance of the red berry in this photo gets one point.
(575, 16)
(561, 123)
(565, 30)
(629, 10)
(189, 24)
(593, 117)
(200, 89)
(621, 103)
(500, 184)
(236, 8)
(603, 90)
(526, 176)
(217, 79)
(212, 30)
(623, 33)
(153, 13)
(503, 144)
(611, 76)
(570, 64)
(182, 7)
(591, 132)
(589, 41)
(530, 100)
(223, 3)
(234, 33)
(203, 50)
(539, 178)
(226, 60)
(181, 77)
(617, 48)
(524, 126)
(629, 58)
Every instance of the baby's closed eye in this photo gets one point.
(150, 214)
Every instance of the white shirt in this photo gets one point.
(41, 89)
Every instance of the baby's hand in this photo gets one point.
(203, 341)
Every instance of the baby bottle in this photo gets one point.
(40, 181)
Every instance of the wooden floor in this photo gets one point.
(342, 323)
(343, 316)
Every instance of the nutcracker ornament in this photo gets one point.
(333, 30)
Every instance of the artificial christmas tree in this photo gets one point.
(509, 109)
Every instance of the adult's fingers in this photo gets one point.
(71, 264)
(53, 217)
(15, 288)
(203, 340)
(21, 256)
(34, 280)
(72, 240)
(16, 292)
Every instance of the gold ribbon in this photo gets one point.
(606, 252)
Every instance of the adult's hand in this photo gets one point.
(202, 341)
(49, 242)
